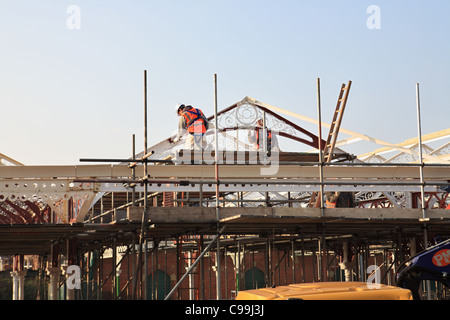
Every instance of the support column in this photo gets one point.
(268, 263)
(54, 273)
(346, 264)
(18, 284)
(71, 253)
(412, 247)
(18, 275)
(202, 274)
(114, 271)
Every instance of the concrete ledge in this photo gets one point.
(199, 214)
(135, 213)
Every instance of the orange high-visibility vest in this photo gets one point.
(195, 122)
(330, 204)
(269, 138)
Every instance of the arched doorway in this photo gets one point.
(254, 279)
(159, 286)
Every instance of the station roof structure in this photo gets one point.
(44, 204)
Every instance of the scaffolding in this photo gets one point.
(170, 223)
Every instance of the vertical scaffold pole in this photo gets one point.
(419, 134)
(144, 215)
(133, 171)
(422, 191)
(216, 155)
(320, 146)
(144, 212)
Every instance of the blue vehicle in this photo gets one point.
(431, 264)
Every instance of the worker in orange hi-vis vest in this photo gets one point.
(331, 199)
(256, 137)
(339, 200)
(194, 123)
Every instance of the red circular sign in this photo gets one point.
(441, 258)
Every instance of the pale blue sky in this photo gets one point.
(67, 94)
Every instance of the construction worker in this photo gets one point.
(256, 137)
(194, 122)
(331, 199)
(339, 199)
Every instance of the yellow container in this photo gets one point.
(328, 291)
